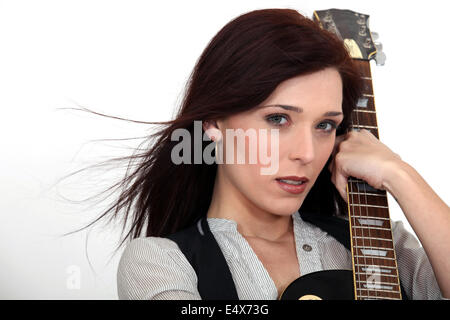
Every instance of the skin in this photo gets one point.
(361, 155)
(256, 202)
(262, 210)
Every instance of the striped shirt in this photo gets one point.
(155, 267)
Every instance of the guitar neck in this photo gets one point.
(374, 262)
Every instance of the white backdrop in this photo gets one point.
(131, 59)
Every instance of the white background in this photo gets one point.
(131, 59)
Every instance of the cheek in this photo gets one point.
(249, 174)
(325, 150)
(322, 155)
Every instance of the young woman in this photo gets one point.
(272, 69)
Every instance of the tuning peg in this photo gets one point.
(379, 46)
(375, 36)
(380, 56)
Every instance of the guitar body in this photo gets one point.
(321, 285)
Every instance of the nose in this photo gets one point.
(303, 147)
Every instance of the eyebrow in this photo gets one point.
(299, 110)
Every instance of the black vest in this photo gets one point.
(204, 254)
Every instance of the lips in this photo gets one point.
(294, 178)
(291, 188)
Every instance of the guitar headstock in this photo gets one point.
(353, 28)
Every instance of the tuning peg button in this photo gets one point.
(379, 46)
(361, 20)
(380, 58)
(375, 35)
(362, 30)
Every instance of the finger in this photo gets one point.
(338, 140)
(341, 184)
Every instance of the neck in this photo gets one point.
(252, 221)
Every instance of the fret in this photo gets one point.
(376, 228)
(371, 217)
(375, 245)
(366, 78)
(363, 126)
(367, 111)
(369, 247)
(366, 247)
(367, 205)
(371, 238)
(371, 266)
(370, 203)
(377, 297)
(384, 271)
(360, 181)
(380, 290)
(367, 95)
(373, 257)
(367, 194)
(364, 118)
(378, 282)
(376, 274)
(370, 232)
(377, 277)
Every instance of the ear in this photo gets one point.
(212, 130)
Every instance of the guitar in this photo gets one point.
(375, 272)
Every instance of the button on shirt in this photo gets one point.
(155, 268)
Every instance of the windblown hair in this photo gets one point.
(240, 67)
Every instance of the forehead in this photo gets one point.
(300, 109)
(316, 91)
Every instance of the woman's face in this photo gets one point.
(306, 140)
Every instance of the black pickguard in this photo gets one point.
(326, 285)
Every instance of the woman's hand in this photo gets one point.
(361, 155)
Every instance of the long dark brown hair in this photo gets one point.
(240, 67)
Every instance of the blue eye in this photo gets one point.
(275, 118)
(331, 128)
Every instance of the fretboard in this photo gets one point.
(374, 262)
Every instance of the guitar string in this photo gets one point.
(360, 215)
(357, 265)
(370, 239)
(358, 285)
(364, 185)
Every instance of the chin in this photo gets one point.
(285, 207)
